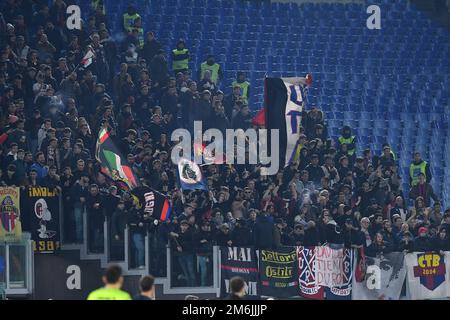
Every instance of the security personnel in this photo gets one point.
(349, 140)
(129, 17)
(180, 58)
(211, 65)
(242, 83)
(417, 167)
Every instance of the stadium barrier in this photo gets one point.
(16, 267)
(302, 272)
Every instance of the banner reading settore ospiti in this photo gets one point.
(278, 271)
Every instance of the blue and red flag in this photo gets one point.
(152, 202)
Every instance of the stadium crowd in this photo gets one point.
(53, 104)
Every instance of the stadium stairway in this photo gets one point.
(72, 272)
(391, 85)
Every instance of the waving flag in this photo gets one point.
(284, 100)
(112, 163)
(152, 202)
(190, 175)
(88, 58)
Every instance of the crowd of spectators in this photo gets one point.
(51, 110)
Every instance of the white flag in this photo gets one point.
(87, 59)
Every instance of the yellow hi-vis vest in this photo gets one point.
(415, 170)
(214, 71)
(180, 64)
(244, 88)
(350, 140)
(128, 20)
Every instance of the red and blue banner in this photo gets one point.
(152, 202)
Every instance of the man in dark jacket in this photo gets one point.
(118, 224)
(204, 251)
(151, 47)
(242, 119)
(241, 235)
(441, 241)
(96, 218)
(423, 189)
(331, 232)
(315, 170)
(78, 195)
(158, 69)
(297, 236)
(422, 242)
(263, 232)
(138, 230)
(183, 241)
(352, 235)
(223, 237)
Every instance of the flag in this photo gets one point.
(190, 175)
(283, 102)
(260, 118)
(112, 163)
(152, 202)
(87, 59)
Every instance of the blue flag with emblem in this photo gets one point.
(190, 175)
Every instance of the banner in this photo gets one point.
(381, 278)
(43, 205)
(307, 273)
(344, 290)
(236, 261)
(278, 272)
(329, 270)
(428, 275)
(10, 225)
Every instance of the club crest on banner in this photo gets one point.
(8, 214)
(44, 215)
(430, 269)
